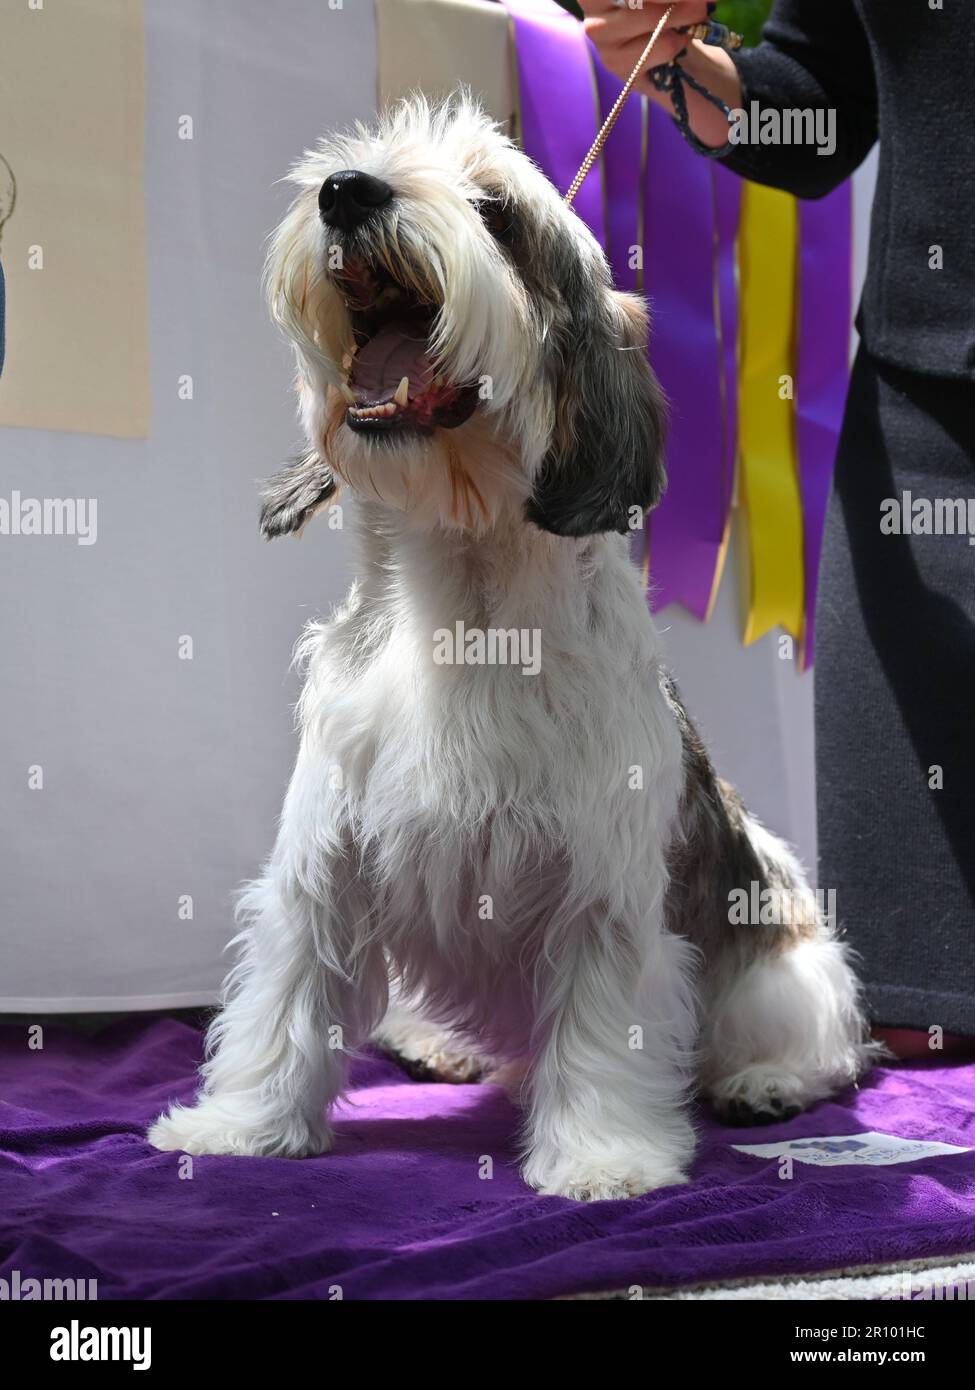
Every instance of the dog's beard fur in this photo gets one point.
(606, 975)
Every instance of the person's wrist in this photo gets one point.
(716, 71)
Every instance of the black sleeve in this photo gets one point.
(812, 55)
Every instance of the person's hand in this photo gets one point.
(622, 33)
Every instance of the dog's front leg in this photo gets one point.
(610, 1078)
(304, 990)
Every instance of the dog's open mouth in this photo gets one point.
(391, 382)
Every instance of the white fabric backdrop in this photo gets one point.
(162, 777)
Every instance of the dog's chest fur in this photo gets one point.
(486, 804)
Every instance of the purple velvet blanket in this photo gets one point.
(401, 1208)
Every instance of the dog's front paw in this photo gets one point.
(214, 1127)
(291, 498)
(607, 1178)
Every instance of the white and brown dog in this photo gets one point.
(535, 857)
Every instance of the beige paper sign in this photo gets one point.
(71, 126)
(436, 45)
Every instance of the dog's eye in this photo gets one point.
(497, 217)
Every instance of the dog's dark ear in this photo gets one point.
(294, 494)
(606, 456)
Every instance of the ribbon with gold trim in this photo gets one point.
(557, 99)
(689, 281)
(624, 163)
(624, 160)
(753, 355)
(768, 251)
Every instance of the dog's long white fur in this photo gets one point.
(499, 840)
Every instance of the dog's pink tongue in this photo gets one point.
(397, 350)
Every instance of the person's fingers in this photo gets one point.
(621, 58)
(611, 27)
(620, 25)
(685, 11)
(644, 17)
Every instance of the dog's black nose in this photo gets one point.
(348, 198)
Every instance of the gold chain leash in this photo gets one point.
(613, 116)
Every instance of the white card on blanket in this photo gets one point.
(834, 1149)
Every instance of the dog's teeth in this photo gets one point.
(346, 391)
(402, 396)
(375, 412)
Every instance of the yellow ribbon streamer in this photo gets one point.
(767, 261)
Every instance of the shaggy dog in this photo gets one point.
(503, 849)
